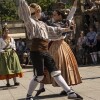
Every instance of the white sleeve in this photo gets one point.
(12, 44)
(24, 11)
(24, 14)
(56, 30)
(1, 49)
(71, 13)
(55, 33)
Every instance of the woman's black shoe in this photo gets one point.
(8, 85)
(63, 93)
(16, 84)
(40, 91)
(78, 97)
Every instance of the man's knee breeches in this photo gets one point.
(53, 74)
(41, 59)
(39, 78)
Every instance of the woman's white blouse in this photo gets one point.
(3, 44)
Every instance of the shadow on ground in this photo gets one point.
(90, 65)
(45, 97)
(90, 78)
(6, 88)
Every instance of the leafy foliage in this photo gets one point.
(8, 10)
(45, 4)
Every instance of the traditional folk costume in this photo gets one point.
(9, 63)
(65, 61)
(39, 33)
(64, 57)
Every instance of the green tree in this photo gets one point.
(45, 4)
(8, 10)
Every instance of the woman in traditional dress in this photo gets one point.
(63, 55)
(9, 63)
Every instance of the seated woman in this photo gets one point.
(91, 41)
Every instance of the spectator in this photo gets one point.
(89, 5)
(81, 48)
(9, 62)
(20, 49)
(91, 41)
(98, 46)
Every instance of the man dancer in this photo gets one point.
(40, 33)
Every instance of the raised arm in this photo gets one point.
(75, 3)
(72, 11)
(24, 11)
(25, 15)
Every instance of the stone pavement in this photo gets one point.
(89, 89)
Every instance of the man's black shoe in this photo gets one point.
(40, 91)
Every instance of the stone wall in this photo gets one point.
(15, 27)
